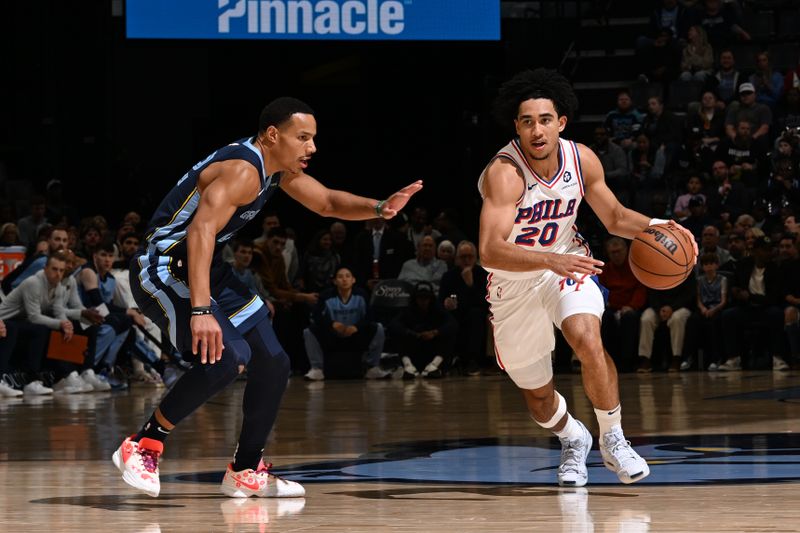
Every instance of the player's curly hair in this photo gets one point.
(539, 83)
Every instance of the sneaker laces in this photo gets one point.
(571, 456)
(149, 459)
(621, 450)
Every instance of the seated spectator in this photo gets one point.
(672, 16)
(698, 217)
(624, 122)
(783, 186)
(698, 56)
(721, 23)
(446, 252)
(446, 223)
(425, 333)
(758, 115)
(647, 163)
(694, 187)
(319, 263)
(379, 253)
(708, 122)
(756, 302)
(30, 225)
(726, 80)
(56, 241)
(767, 82)
(626, 299)
(705, 324)
(9, 235)
(728, 199)
(291, 257)
(671, 307)
(342, 323)
(425, 267)
(709, 244)
(30, 312)
(790, 277)
(419, 227)
(615, 164)
(90, 236)
(463, 295)
(97, 288)
(746, 158)
(660, 62)
(242, 260)
(662, 127)
(132, 218)
(340, 243)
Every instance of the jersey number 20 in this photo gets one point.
(546, 236)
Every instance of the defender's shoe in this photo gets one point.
(138, 462)
(572, 472)
(621, 459)
(260, 483)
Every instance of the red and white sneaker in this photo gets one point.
(138, 462)
(260, 483)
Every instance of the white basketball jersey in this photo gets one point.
(547, 209)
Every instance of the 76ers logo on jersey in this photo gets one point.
(567, 177)
(248, 215)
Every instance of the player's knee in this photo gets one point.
(588, 346)
(533, 376)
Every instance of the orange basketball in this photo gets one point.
(661, 257)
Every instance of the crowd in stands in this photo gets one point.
(407, 297)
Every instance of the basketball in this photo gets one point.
(661, 257)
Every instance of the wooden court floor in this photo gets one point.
(453, 455)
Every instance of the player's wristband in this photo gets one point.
(654, 221)
(202, 310)
(379, 208)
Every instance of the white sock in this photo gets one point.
(572, 430)
(609, 420)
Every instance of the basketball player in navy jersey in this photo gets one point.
(541, 271)
(180, 282)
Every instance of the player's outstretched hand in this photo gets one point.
(206, 338)
(398, 200)
(574, 266)
(689, 236)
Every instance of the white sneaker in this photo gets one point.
(138, 462)
(713, 367)
(90, 378)
(260, 483)
(621, 459)
(433, 366)
(779, 364)
(376, 372)
(734, 363)
(35, 388)
(8, 391)
(572, 471)
(72, 384)
(686, 364)
(315, 374)
(408, 367)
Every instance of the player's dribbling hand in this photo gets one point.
(574, 266)
(206, 338)
(398, 200)
(689, 236)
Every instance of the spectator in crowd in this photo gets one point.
(672, 308)
(647, 163)
(624, 122)
(767, 82)
(726, 80)
(291, 257)
(756, 302)
(662, 127)
(340, 243)
(698, 56)
(446, 252)
(758, 115)
(660, 62)
(90, 236)
(783, 187)
(97, 288)
(319, 263)
(746, 158)
(132, 218)
(738, 250)
(30, 225)
(708, 122)
(30, 312)
(672, 16)
(242, 260)
(380, 253)
(705, 324)
(790, 278)
(342, 323)
(419, 227)
(709, 244)
(626, 299)
(720, 22)
(698, 217)
(426, 333)
(463, 295)
(788, 114)
(56, 241)
(615, 164)
(9, 235)
(446, 223)
(425, 267)
(694, 188)
(729, 198)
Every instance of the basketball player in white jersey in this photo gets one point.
(541, 271)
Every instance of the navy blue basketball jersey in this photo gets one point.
(167, 232)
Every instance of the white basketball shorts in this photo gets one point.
(523, 314)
